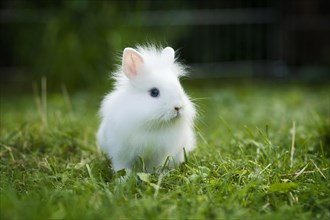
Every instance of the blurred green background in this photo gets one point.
(55, 61)
(77, 43)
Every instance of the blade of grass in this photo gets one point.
(318, 169)
(44, 99)
(292, 143)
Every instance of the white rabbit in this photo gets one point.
(147, 115)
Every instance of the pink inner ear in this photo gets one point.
(133, 67)
(132, 62)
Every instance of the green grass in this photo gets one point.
(244, 167)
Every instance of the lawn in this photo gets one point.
(263, 153)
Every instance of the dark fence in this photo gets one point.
(253, 38)
(75, 40)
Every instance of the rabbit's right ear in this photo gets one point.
(132, 62)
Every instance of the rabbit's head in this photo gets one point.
(150, 81)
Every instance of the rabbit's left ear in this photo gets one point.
(132, 62)
(168, 54)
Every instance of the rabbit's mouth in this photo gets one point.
(176, 116)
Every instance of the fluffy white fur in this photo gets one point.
(135, 124)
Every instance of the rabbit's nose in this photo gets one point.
(176, 108)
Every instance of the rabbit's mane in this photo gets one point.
(152, 59)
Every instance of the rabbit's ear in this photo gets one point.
(132, 62)
(168, 54)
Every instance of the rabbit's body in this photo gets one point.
(148, 115)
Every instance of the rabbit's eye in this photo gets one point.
(154, 92)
